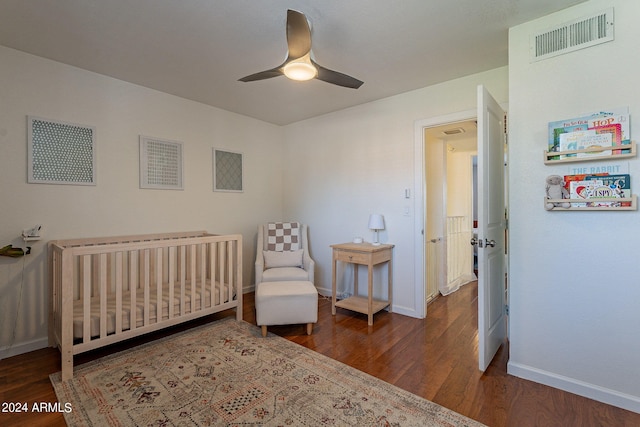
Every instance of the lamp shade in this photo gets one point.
(376, 222)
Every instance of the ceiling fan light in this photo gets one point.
(300, 71)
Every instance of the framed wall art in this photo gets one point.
(227, 171)
(60, 152)
(161, 165)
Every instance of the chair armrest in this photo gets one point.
(259, 256)
(259, 268)
(309, 266)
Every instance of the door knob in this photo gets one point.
(491, 243)
(474, 241)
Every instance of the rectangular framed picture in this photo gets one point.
(60, 152)
(161, 164)
(227, 171)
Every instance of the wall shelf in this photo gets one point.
(548, 156)
(633, 199)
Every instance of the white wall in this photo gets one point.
(574, 312)
(120, 112)
(435, 150)
(459, 184)
(343, 166)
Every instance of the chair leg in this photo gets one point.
(309, 328)
(264, 330)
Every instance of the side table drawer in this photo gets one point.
(353, 257)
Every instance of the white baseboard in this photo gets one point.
(406, 311)
(591, 391)
(22, 348)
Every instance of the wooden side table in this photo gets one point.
(363, 254)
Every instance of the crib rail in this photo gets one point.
(105, 290)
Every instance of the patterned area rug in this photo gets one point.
(225, 373)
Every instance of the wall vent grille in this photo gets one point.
(573, 35)
(454, 131)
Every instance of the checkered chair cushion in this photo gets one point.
(283, 236)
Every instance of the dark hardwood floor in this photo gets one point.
(434, 358)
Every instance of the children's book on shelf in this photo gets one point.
(614, 123)
(583, 190)
(580, 177)
(615, 130)
(613, 186)
(584, 139)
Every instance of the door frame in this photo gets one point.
(421, 202)
(420, 207)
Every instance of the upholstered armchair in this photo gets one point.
(282, 253)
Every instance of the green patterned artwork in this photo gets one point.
(61, 153)
(227, 171)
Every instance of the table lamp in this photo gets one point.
(376, 223)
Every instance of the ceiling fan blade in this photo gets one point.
(299, 53)
(336, 78)
(298, 34)
(262, 75)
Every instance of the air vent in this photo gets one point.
(450, 132)
(573, 35)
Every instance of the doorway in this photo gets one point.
(491, 241)
(451, 206)
(434, 200)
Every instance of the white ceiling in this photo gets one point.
(198, 49)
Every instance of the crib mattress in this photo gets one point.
(78, 313)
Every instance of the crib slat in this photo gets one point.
(233, 258)
(203, 275)
(239, 284)
(133, 274)
(233, 274)
(232, 278)
(183, 272)
(118, 284)
(95, 280)
(213, 246)
(158, 285)
(102, 272)
(192, 305)
(172, 276)
(85, 274)
(221, 266)
(145, 283)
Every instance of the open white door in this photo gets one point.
(491, 228)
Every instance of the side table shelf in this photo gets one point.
(361, 304)
(362, 254)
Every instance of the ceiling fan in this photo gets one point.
(300, 64)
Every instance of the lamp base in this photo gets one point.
(376, 241)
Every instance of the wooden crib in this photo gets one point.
(105, 290)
